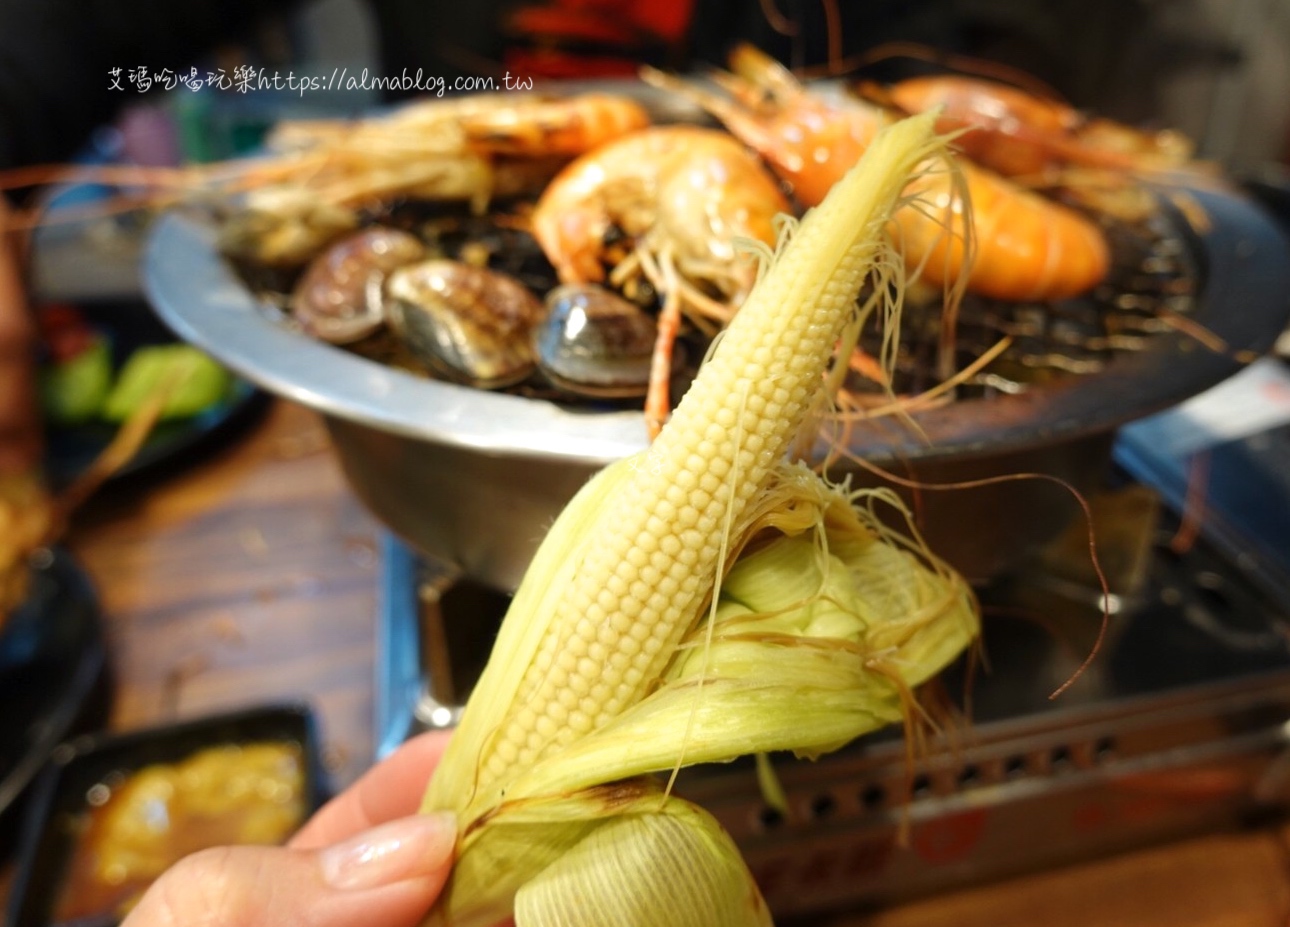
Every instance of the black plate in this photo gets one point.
(52, 676)
(132, 325)
(48, 837)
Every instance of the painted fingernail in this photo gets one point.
(393, 852)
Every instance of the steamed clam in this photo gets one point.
(461, 300)
(593, 342)
(465, 323)
(339, 298)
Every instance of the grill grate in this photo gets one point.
(1154, 279)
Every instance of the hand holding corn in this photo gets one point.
(701, 601)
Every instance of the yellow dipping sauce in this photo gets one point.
(141, 824)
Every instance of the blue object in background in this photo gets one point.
(1236, 438)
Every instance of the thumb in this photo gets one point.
(389, 875)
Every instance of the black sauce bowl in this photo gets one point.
(55, 679)
(49, 836)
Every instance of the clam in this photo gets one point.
(339, 297)
(593, 342)
(465, 323)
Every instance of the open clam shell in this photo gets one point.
(593, 342)
(339, 297)
(465, 323)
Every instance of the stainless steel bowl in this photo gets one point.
(477, 477)
(471, 476)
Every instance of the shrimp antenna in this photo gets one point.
(777, 20)
(963, 64)
(833, 35)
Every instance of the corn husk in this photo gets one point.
(810, 625)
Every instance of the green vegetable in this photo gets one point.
(73, 390)
(198, 382)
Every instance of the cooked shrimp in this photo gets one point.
(662, 206)
(307, 191)
(1018, 134)
(472, 148)
(1039, 140)
(1026, 247)
(568, 126)
(493, 123)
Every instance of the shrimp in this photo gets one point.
(491, 123)
(1019, 134)
(676, 197)
(1026, 247)
(317, 175)
(1043, 141)
(558, 126)
(470, 148)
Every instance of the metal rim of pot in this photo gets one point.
(1244, 299)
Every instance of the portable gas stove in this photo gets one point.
(1179, 726)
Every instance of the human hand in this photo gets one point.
(365, 858)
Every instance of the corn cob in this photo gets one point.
(585, 685)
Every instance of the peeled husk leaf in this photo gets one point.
(604, 855)
(662, 866)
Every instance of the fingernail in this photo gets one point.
(393, 852)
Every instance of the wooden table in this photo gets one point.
(252, 576)
(248, 577)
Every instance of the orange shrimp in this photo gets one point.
(1019, 134)
(1026, 247)
(676, 198)
(470, 148)
(567, 126)
(308, 189)
(494, 124)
